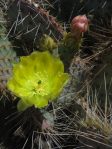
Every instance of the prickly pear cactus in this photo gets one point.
(7, 54)
(103, 78)
(30, 20)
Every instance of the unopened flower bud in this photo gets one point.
(79, 25)
(47, 43)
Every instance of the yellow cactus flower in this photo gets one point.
(37, 79)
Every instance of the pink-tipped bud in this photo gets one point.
(79, 25)
(46, 125)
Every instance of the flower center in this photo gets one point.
(42, 85)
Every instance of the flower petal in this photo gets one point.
(58, 83)
(38, 101)
(21, 105)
